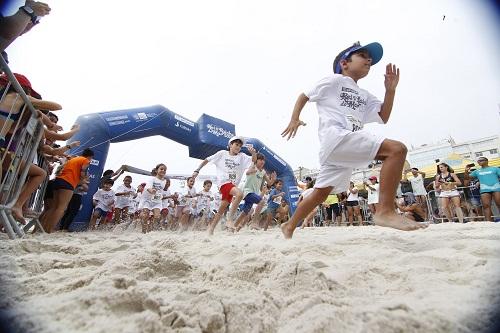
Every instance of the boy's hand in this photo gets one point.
(391, 77)
(292, 128)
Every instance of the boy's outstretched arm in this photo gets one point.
(391, 82)
(295, 122)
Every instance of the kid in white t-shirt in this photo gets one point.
(103, 201)
(123, 200)
(230, 166)
(343, 109)
(203, 209)
(152, 196)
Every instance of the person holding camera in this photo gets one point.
(489, 184)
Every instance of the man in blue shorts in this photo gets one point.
(489, 184)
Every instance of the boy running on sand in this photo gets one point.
(124, 195)
(103, 201)
(256, 175)
(343, 109)
(230, 165)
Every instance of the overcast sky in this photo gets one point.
(247, 61)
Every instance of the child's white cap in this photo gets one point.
(234, 138)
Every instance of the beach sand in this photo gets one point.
(338, 279)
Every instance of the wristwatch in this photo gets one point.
(30, 12)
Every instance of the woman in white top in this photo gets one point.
(373, 187)
(352, 205)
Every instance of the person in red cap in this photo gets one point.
(343, 109)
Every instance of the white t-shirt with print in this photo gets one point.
(205, 199)
(343, 107)
(417, 184)
(188, 197)
(158, 185)
(105, 199)
(230, 168)
(122, 201)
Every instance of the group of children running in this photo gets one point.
(343, 109)
(156, 207)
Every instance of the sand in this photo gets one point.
(337, 279)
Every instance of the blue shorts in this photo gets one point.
(250, 200)
(99, 212)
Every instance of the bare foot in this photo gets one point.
(254, 226)
(17, 213)
(210, 229)
(285, 229)
(397, 222)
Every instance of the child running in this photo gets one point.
(203, 209)
(256, 175)
(151, 198)
(124, 196)
(103, 201)
(230, 166)
(343, 109)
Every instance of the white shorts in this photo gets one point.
(449, 194)
(357, 149)
(122, 204)
(148, 204)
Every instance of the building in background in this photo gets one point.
(424, 155)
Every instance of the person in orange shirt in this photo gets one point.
(64, 185)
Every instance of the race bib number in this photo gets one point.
(232, 177)
(157, 197)
(353, 123)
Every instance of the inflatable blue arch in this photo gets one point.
(204, 138)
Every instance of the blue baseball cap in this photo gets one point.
(375, 49)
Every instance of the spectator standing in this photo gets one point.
(489, 184)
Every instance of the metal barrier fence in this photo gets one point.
(20, 144)
(470, 204)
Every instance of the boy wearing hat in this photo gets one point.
(343, 109)
(489, 182)
(230, 165)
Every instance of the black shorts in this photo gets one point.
(61, 184)
(49, 190)
(332, 210)
(352, 203)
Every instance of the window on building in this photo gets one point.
(479, 154)
(493, 151)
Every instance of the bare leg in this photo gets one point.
(306, 206)
(393, 153)
(445, 203)
(52, 216)
(220, 212)
(237, 197)
(486, 202)
(350, 215)
(240, 221)
(357, 212)
(458, 209)
(36, 176)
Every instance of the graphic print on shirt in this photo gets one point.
(231, 167)
(350, 98)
